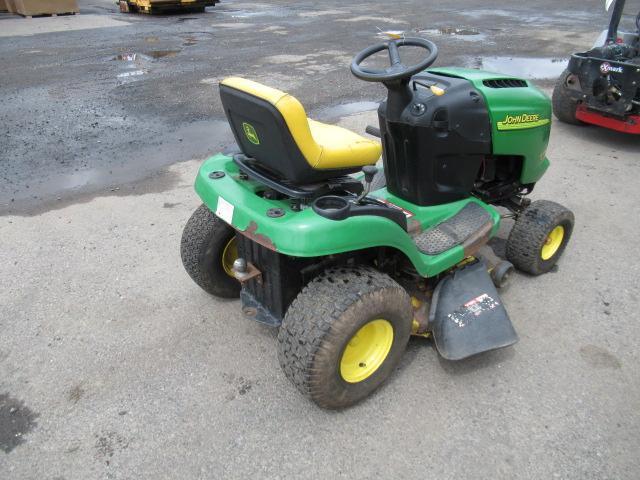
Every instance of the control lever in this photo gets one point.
(369, 172)
(371, 130)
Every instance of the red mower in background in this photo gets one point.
(602, 86)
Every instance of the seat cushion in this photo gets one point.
(324, 147)
(342, 148)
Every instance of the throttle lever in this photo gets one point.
(371, 130)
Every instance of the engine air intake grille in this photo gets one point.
(505, 83)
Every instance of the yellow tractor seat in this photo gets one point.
(272, 127)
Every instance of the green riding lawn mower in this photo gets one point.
(349, 261)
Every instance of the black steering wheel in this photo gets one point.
(397, 70)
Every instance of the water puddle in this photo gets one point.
(189, 41)
(525, 67)
(345, 109)
(192, 38)
(134, 65)
(163, 53)
(264, 10)
(534, 16)
(452, 31)
(461, 33)
(133, 73)
(193, 140)
(149, 56)
(16, 420)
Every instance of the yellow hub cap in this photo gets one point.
(552, 243)
(229, 255)
(366, 351)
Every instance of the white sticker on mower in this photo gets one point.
(472, 309)
(224, 210)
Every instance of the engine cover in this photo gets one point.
(433, 149)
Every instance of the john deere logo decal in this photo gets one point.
(250, 133)
(522, 121)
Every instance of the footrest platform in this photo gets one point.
(470, 220)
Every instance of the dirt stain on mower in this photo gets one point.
(260, 238)
(16, 420)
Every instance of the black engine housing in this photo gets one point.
(434, 145)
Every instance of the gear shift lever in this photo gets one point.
(369, 172)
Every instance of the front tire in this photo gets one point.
(344, 334)
(539, 236)
(564, 106)
(208, 250)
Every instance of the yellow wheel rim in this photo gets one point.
(229, 255)
(366, 351)
(552, 243)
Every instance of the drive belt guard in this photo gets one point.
(467, 316)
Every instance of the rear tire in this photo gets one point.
(207, 251)
(564, 106)
(324, 340)
(539, 237)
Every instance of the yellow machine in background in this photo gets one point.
(164, 6)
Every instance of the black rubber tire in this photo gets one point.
(564, 107)
(203, 241)
(501, 274)
(325, 316)
(530, 231)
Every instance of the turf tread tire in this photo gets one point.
(530, 232)
(564, 107)
(203, 240)
(320, 321)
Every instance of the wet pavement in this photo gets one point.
(87, 110)
(533, 68)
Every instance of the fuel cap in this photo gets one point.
(418, 109)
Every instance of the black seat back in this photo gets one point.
(262, 134)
